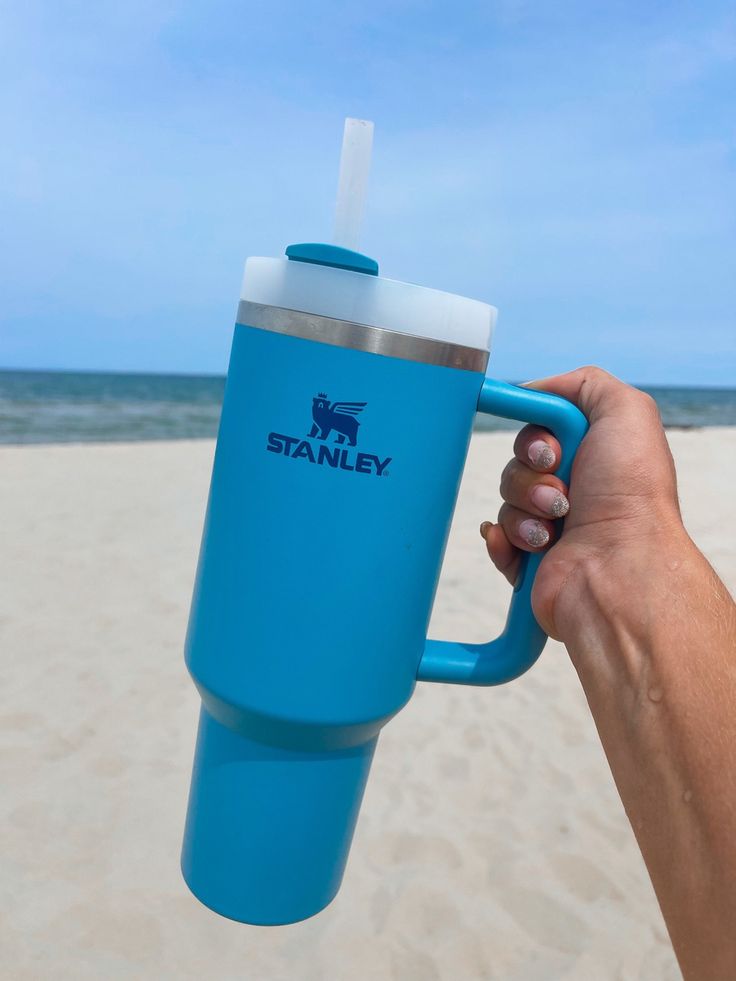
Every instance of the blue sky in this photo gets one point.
(573, 163)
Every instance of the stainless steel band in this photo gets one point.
(361, 337)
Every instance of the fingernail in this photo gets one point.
(485, 525)
(533, 532)
(550, 500)
(541, 454)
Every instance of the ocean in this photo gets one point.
(82, 407)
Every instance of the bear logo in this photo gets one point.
(339, 416)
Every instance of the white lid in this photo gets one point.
(328, 291)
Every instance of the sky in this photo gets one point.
(572, 162)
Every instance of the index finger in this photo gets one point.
(538, 449)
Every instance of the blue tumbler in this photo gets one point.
(348, 410)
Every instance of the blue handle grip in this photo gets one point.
(522, 639)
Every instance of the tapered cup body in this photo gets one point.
(334, 482)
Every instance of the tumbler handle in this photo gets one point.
(522, 639)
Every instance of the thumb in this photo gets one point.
(594, 391)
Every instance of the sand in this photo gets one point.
(491, 844)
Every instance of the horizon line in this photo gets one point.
(223, 376)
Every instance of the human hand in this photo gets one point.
(621, 506)
(651, 631)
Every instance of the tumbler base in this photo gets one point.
(268, 829)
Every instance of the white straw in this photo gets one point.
(355, 163)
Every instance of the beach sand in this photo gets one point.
(491, 843)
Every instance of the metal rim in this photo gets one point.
(361, 337)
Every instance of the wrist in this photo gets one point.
(619, 596)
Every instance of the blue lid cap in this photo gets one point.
(333, 255)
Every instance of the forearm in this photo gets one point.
(658, 666)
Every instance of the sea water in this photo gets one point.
(74, 407)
